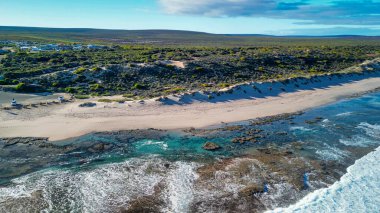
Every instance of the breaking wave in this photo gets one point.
(357, 191)
(109, 188)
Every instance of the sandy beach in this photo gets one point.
(69, 120)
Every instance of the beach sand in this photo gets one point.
(69, 120)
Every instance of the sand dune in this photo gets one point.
(189, 110)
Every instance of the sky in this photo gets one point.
(274, 17)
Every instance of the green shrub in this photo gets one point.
(82, 96)
(105, 100)
(20, 87)
(96, 69)
(174, 90)
(79, 70)
(128, 95)
(139, 86)
(206, 85)
(199, 69)
(96, 87)
(224, 85)
(71, 90)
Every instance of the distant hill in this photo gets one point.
(169, 37)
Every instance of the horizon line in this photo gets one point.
(180, 30)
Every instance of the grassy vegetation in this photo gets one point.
(135, 70)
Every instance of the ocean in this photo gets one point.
(322, 160)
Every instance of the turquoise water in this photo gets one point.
(106, 172)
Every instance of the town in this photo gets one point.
(35, 47)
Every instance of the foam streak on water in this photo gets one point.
(180, 190)
(371, 130)
(107, 188)
(357, 191)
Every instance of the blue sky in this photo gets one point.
(277, 17)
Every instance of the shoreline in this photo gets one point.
(334, 197)
(70, 120)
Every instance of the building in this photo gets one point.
(25, 48)
(35, 49)
(77, 47)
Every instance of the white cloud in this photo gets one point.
(343, 12)
(218, 7)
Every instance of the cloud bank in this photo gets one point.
(328, 12)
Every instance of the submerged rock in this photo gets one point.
(100, 147)
(271, 119)
(314, 121)
(232, 128)
(281, 133)
(244, 139)
(210, 146)
(254, 132)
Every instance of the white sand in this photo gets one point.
(200, 109)
(65, 121)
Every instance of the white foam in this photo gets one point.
(180, 187)
(331, 153)
(344, 114)
(300, 128)
(161, 144)
(371, 130)
(359, 141)
(103, 189)
(357, 191)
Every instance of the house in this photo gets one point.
(49, 47)
(64, 47)
(36, 49)
(94, 47)
(24, 48)
(77, 47)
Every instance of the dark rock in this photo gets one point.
(27, 141)
(232, 128)
(210, 146)
(297, 146)
(245, 139)
(281, 133)
(288, 152)
(314, 121)
(87, 104)
(271, 119)
(251, 190)
(100, 147)
(253, 132)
